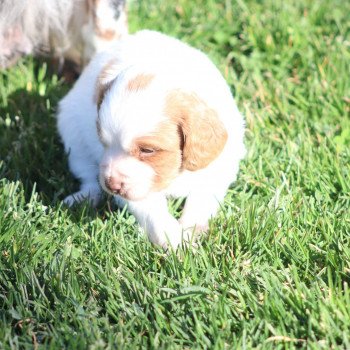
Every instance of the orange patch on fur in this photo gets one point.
(106, 34)
(104, 82)
(204, 134)
(140, 82)
(166, 156)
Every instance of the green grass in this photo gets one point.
(274, 271)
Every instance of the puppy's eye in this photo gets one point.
(147, 151)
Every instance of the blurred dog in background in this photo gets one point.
(71, 30)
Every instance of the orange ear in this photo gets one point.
(203, 133)
(104, 80)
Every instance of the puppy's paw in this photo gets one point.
(194, 229)
(191, 233)
(185, 237)
(93, 197)
(168, 235)
(173, 241)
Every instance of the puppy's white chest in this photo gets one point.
(184, 184)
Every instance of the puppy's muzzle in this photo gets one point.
(114, 185)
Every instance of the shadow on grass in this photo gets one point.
(30, 148)
(31, 151)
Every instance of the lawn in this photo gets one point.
(274, 270)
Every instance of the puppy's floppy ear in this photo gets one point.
(204, 135)
(105, 79)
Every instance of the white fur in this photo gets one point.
(125, 116)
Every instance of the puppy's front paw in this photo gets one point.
(93, 197)
(165, 234)
(192, 232)
(181, 236)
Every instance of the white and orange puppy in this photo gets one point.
(151, 118)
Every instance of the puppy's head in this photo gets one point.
(151, 134)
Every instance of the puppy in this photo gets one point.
(150, 118)
(71, 29)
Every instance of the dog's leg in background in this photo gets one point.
(154, 218)
(13, 45)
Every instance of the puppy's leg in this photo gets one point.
(198, 209)
(84, 169)
(154, 218)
